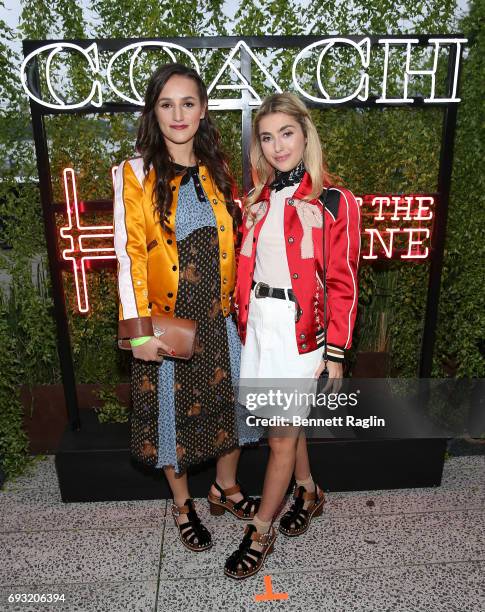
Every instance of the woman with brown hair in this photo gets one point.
(301, 233)
(174, 220)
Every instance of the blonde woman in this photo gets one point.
(298, 230)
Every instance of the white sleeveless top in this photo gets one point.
(271, 262)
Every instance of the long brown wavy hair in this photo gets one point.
(150, 143)
(313, 157)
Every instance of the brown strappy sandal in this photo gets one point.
(245, 509)
(297, 520)
(192, 533)
(247, 561)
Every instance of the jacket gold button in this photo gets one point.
(303, 346)
(167, 308)
(224, 255)
(224, 281)
(170, 294)
(203, 177)
(291, 201)
(295, 275)
(222, 228)
(174, 268)
(214, 201)
(302, 336)
(169, 241)
(291, 240)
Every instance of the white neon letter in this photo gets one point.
(90, 53)
(406, 208)
(381, 200)
(166, 46)
(372, 231)
(424, 208)
(243, 84)
(328, 43)
(448, 41)
(416, 243)
(409, 72)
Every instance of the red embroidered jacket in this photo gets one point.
(304, 250)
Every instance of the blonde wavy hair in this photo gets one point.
(313, 157)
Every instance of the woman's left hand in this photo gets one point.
(335, 375)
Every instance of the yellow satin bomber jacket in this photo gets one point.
(148, 267)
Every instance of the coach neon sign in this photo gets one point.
(397, 226)
(241, 84)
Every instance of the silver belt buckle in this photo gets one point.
(258, 287)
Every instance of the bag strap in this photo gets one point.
(325, 357)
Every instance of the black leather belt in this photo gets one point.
(262, 290)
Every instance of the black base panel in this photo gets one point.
(94, 464)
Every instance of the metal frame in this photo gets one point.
(38, 113)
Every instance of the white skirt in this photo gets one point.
(270, 357)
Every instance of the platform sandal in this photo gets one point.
(192, 533)
(297, 520)
(247, 561)
(245, 509)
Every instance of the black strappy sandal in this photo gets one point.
(245, 509)
(192, 533)
(297, 520)
(247, 561)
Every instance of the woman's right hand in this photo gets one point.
(149, 350)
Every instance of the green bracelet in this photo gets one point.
(139, 341)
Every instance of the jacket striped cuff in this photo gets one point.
(335, 353)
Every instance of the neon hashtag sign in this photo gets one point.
(82, 239)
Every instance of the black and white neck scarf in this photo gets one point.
(288, 178)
